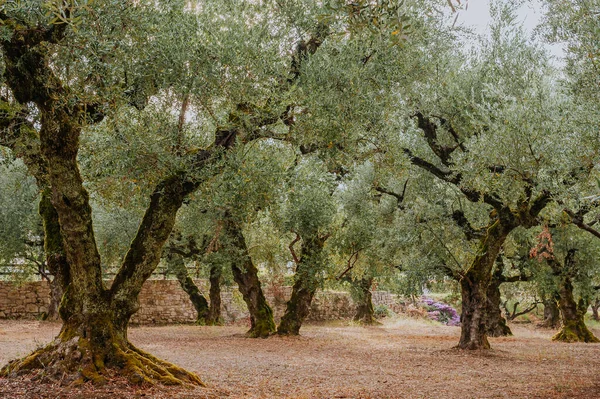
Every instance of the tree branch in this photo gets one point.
(461, 220)
(399, 197)
(292, 251)
(577, 220)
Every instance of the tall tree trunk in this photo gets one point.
(551, 313)
(306, 283)
(245, 275)
(214, 312)
(177, 266)
(94, 332)
(361, 293)
(474, 286)
(56, 260)
(495, 324)
(573, 328)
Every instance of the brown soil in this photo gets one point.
(404, 358)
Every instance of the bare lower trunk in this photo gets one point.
(474, 286)
(177, 265)
(214, 312)
(494, 322)
(306, 283)
(551, 314)
(92, 342)
(361, 293)
(245, 275)
(573, 328)
(473, 327)
(595, 307)
(56, 259)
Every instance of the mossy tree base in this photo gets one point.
(262, 328)
(575, 332)
(73, 362)
(79, 358)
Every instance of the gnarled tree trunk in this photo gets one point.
(573, 328)
(495, 324)
(214, 311)
(245, 275)
(95, 319)
(56, 260)
(177, 266)
(551, 313)
(595, 307)
(361, 293)
(306, 283)
(474, 287)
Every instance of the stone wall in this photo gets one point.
(163, 302)
(27, 300)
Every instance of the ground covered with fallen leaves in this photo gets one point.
(404, 358)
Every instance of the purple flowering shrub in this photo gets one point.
(441, 312)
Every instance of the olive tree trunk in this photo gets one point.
(56, 260)
(551, 313)
(93, 337)
(495, 324)
(573, 328)
(306, 282)
(595, 307)
(361, 293)
(474, 288)
(177, 266)
(214, 312)
(245, 275)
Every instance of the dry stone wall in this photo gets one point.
(164, 302)
(27, 300)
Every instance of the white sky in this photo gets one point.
(477, 16)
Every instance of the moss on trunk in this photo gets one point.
(92, 348)
(573, 328)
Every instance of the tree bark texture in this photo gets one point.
(361, 293)
(56, 260)
(245, 275)
(573, 328)
(551, 313)
(595, 307)
(496, 324)
(305, 285)
(214, 312)
(93, 337)
(177, 266)
(474, 287)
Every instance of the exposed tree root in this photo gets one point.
(74, 362)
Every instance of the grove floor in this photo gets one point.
(404, 358)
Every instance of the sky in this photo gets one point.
(477, 16)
